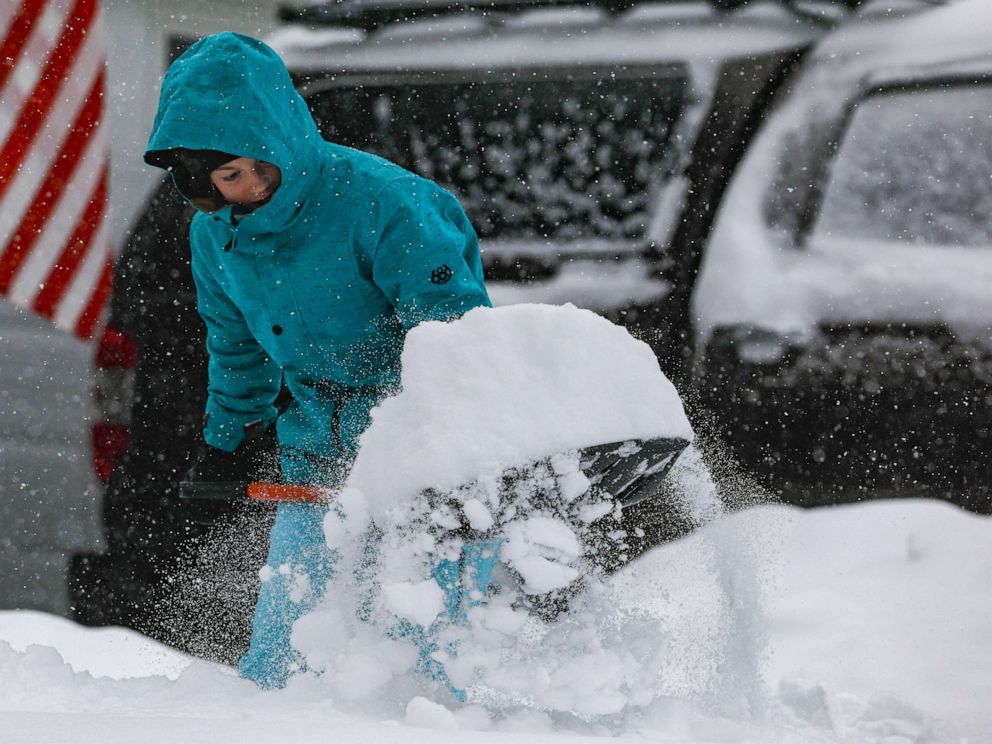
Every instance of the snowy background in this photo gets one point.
(860, 623)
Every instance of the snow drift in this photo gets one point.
(877, 617)
(772, 624)
(523, 387)
(507, 386)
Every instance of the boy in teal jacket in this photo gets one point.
(311, 262)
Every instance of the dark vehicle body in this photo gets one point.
(590, 150)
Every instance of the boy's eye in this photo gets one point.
(230, 177)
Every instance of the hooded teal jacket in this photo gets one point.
(319, 285)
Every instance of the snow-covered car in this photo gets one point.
(843, 309)
(48, 495)
(587, 146)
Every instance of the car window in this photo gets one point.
(914, 166)
(583, 156)
(800, 171)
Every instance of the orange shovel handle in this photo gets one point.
(288, 492)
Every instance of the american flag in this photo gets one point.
(55, 254)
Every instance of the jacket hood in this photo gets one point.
(232, 93)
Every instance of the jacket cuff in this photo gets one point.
(225, 430)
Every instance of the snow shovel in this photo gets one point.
(630, 471)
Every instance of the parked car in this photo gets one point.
(588, 148)
(48, 496)
(579, 141)
(843, 307)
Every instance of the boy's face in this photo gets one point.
(246, 181)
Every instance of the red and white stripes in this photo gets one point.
(54, 243)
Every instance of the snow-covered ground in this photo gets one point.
(867, 623)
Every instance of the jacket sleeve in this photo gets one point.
(426, 260)
(243, 381)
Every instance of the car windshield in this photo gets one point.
(914, 166)
(536, 158)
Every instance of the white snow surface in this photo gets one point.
(593, 285)
(506, 386)
(100, 652)
(865, 623)
(647, 38)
